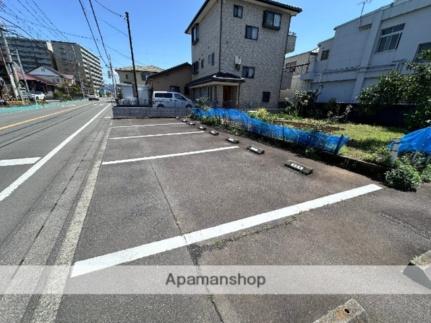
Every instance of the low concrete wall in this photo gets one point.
(149, 112)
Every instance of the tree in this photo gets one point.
(388, 91)
(412, 88)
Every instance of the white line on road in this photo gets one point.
(152, 125)
(109, 260)
(159, 135)
(47, 308)
(20, 161)
(24, 177)
(124, 161)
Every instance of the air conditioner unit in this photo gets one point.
(238, 60)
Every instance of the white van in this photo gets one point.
(164, 99)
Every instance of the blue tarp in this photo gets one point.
(314, 139)
(417, 141)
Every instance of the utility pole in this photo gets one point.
(113, 77)
(9, 63)
(23, 73)
(133, 58)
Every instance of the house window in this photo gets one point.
(325, 55)
(143, 77)
(390, 38)
(271, 20)
(195, 67)
(126, 76)
(421, 49)
(248, 72)
(202, 63)
(251, 32)
(195, 34)
(237, 11)
(266, 97)
(211, 59)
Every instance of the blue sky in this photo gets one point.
(158, 25)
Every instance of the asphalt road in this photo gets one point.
(161, 193)
(36, 134)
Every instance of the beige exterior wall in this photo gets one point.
(209, 41)
(127, 77)
(266, 55)
(178, 78)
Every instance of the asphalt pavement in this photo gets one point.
(159, 192)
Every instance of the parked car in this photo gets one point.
(40, 96)
(93, 97)
(165, 99)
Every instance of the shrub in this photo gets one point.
(382, 156)
(203, 102)
(389, 90)
(262, 114)
(403, 176)
(426, 174)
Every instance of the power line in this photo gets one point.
(98, 29)
(114, 28)
(17, 26)
(18, 19)
(12, 14)
(46, 18)
(91, 30)
(110, 10)
(36, 11)
(35, 17)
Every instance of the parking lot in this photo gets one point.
(161, 178)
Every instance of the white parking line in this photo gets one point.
(20, 161)
(30, 172)
(152, 125)
(106, 261)
(160, 135)
(124, 161)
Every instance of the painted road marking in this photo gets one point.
(20, 161)
(160, 135)
(109, 260)
(37, 118)
(124, 161)
(47, 308)
(30, 172)
(152, 125)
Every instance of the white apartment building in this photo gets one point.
(361, 51)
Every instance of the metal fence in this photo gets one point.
(313, 139)
(120, 112)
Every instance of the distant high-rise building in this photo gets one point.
(33, 53)
(71, 58)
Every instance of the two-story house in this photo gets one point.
(362, 50)
(125, 74)
(238, 51)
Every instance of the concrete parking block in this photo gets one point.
(350, 312)
(419, 269)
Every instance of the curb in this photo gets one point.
(350, 312)
(419, 269)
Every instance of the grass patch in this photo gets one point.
(366, 143)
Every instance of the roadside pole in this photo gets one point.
(133, 58)
(114, 85)
(23, 73)
(9, 62)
